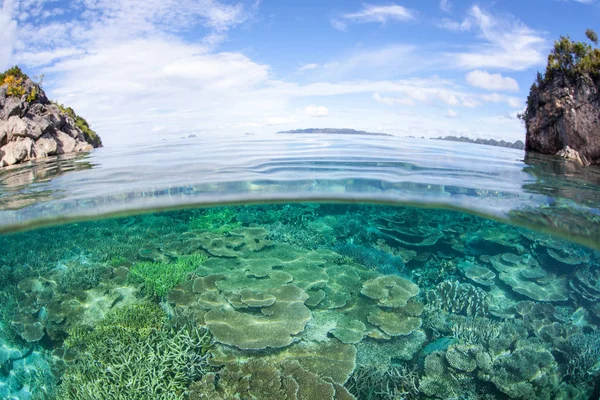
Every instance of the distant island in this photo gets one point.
(519, 145)
(336, 131)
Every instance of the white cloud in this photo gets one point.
(393, 101)
(451, 114)
(308, 67)
(338, 25)
(515, 103)
(485, 80)
(316, 111)
(375, 63)
(7, 35)
(381, 14)
(36, 59)
(445, 6)
(507, 44)
(455, 26)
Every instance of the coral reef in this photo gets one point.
(298, 301)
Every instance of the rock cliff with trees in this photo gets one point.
(31, 126)
(563, 107)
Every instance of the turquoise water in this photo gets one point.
(340, 268)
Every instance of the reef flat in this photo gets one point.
(297, 301)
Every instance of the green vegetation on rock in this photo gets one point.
(569, 59)
(90, 135)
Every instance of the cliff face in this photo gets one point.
(563, 118)
(33, 127)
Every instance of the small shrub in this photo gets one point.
(33, 95)
(15, 86)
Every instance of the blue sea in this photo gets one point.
(313, 266)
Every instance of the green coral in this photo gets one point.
(217, 219)
(134, 354)
(160, 278)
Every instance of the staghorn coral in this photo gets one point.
(458, 298)
(370, 383)
(126, 355)
(160, 278)
(372, 258)
(583, 357)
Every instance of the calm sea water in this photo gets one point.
(300, 267)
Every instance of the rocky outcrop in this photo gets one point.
(32, 127)
(563, 118)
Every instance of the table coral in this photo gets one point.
(390, 291)
(275, 327)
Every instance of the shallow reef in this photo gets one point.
(297, 301)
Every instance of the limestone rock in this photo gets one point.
(563, 117)
(37, 128)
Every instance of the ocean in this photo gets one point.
(309, 266)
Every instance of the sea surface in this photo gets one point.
(300, 267)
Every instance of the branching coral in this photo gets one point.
(131, 355)
(372, 258)
(583, 354)
(458, 298)
(370, 383)
(160, 278)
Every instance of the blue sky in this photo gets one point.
(154, 69)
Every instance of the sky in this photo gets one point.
(147, 70)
